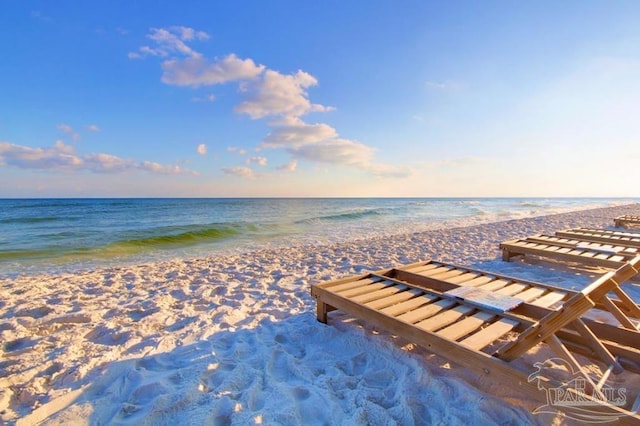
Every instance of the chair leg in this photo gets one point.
(321, 311)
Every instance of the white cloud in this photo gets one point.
(68, 130)
(187, 33)
(346, 153)
(65, 128)
(93, 128)
(197, 71)
(63, 148)
(58, 156)
(262, 161)
(279, 94)
(170, 41)
(267, 93)
(206, 98)
(62, 157)
(292, 131)
(291, 166)
(335, 151)
(237, 150)
(202, 149)
(244, 172)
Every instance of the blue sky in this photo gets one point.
(330, 98)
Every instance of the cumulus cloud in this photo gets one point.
(197, 71)
(244, 172)
(334, 151)
(279, 94)
(63, 157)
(261, 161)
(284, 98)
(202, 149)
(292, 131)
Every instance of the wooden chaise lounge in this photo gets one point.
(627, 221)
(608, 255)
(630, 239)
(484, 322)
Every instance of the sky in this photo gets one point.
(144, 98)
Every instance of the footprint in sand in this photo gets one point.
(182, 323)
(279, 366)
(300, 393)
(151, 364)
(34, 313)
(213, 379)
(6, 326)
(68, 319)
(137, 314)
(146, 393)
(106, 336)
(19, 345)
(221, 412)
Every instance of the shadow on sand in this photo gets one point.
(293, 371)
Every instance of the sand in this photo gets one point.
(233, 339)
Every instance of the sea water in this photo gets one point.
(54, 235)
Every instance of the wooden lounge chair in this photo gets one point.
(608, 255)
(627, 221)
(484, 322)
(629, 239)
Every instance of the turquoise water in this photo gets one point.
(51, 235)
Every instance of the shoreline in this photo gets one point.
(220, 337)
(306, 229)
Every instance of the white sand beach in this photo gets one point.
(234, 339)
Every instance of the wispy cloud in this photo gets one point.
(244, 172)
(68, 130)
(235, 149)
(261, 161)
(291, 166)
(206, 98)
(62, 157)
(170, 41)
(202, 149)
(93, 128)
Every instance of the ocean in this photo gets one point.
(60, 235)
